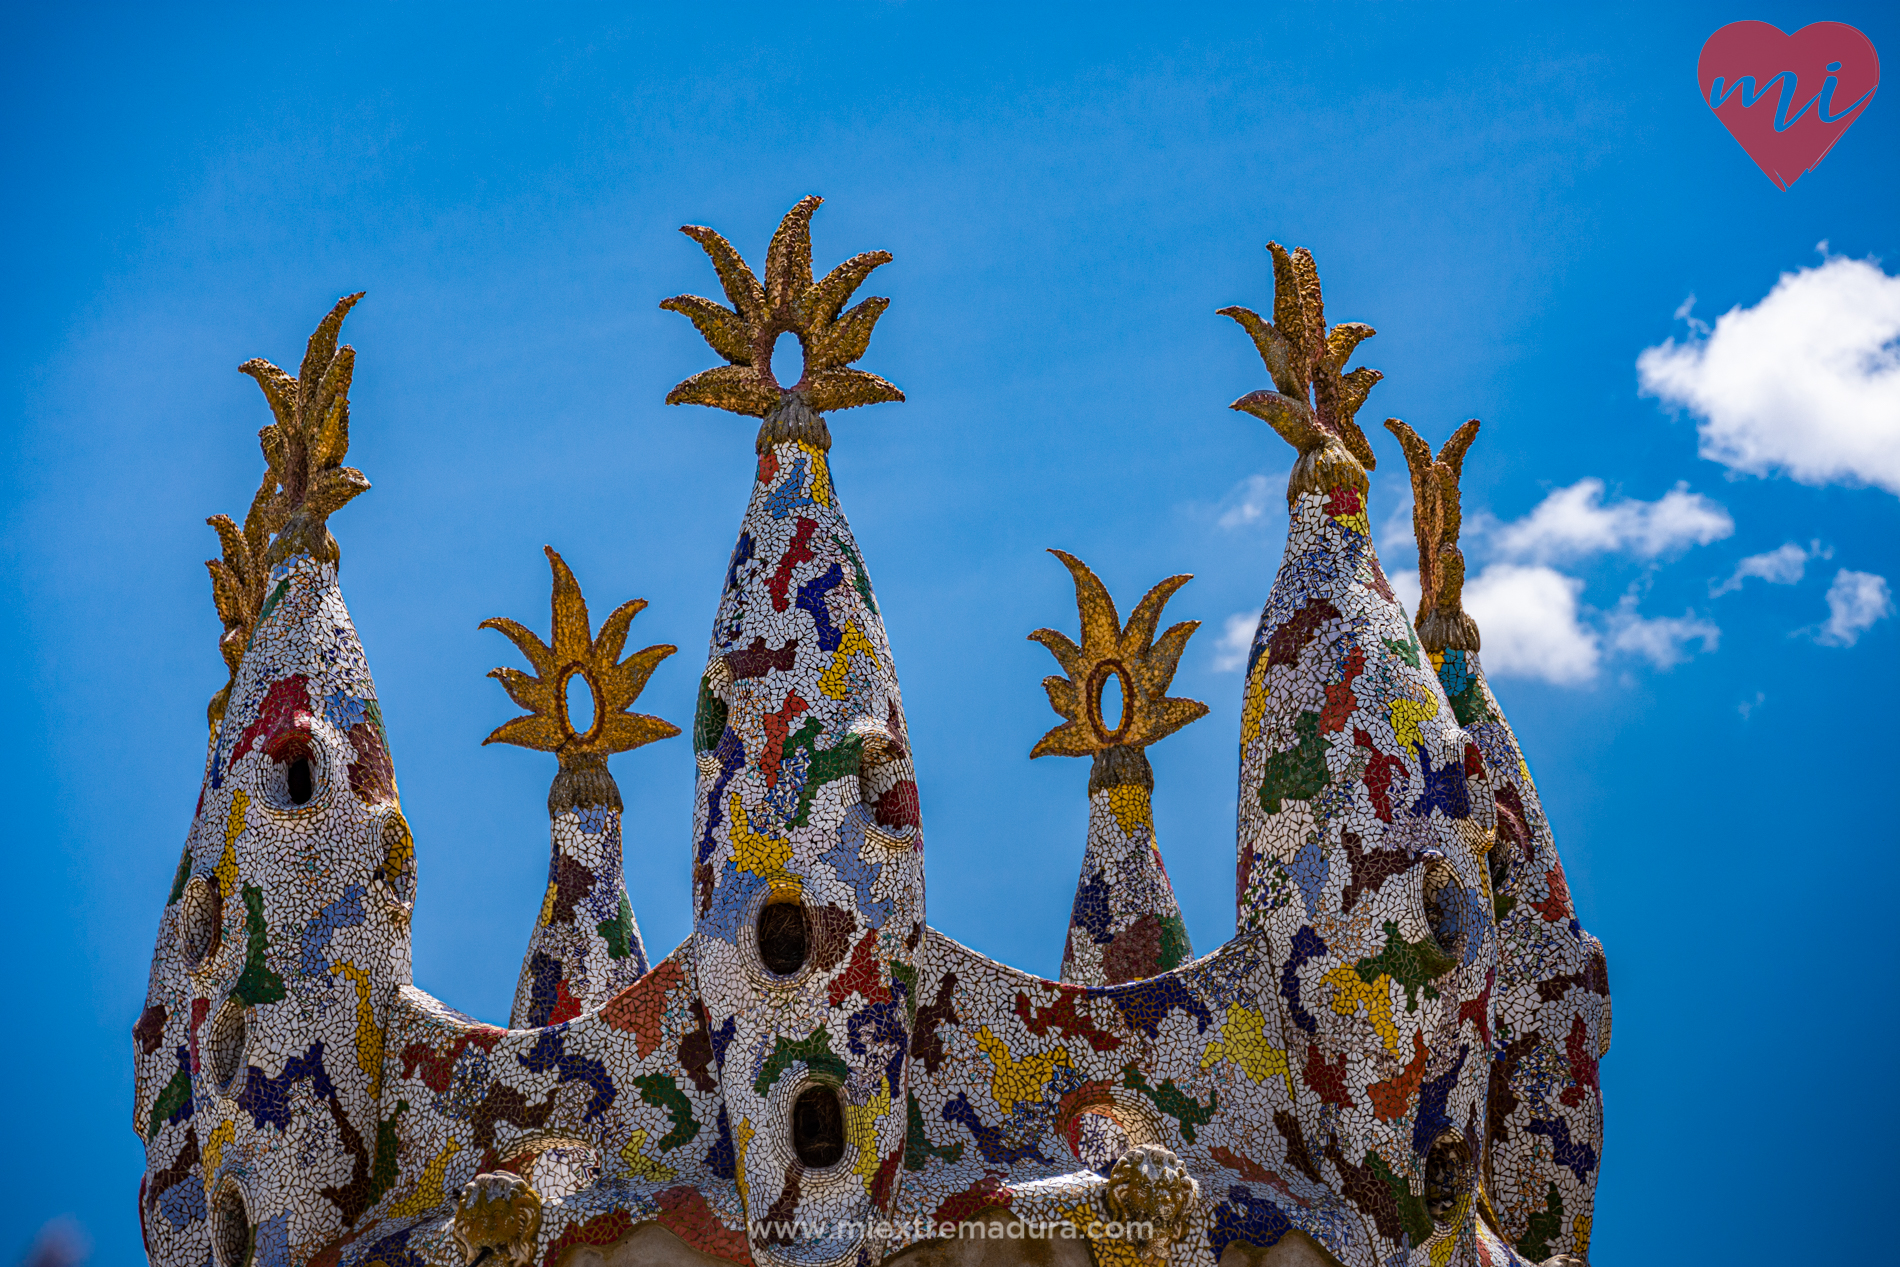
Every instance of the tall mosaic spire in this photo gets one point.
(267, 987)
(808, 856)
(1361, 841)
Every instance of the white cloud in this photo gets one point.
(1574, 521)
(1247, 503)
(1661, 640)
(1406, 588)
(1783, 565)
(1236, 639)
(1806, 381)
(1528, 619)
(1854, 602)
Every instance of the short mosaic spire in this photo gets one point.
(1125, 923)
(585, 947)
(1544, 1122)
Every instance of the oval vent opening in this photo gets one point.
(224, 1046)
(200, 921)
(231, 1229)
(818, 1127)
(784, 937)
(1447, 1177)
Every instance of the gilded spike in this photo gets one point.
(1315, 402)
(306, 444)
(239, 581)
(1436, 517)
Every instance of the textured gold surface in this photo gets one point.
(789, 302)
(1109, 649)
(1436, 517)
(575, 651)
(239, 580)
(306, 444)
(1313, 409)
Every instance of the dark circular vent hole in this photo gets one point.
(818, 1127)
(1498, 862)
(1443, 915)
(231, 1230)
(297, 781)
(1447, 1177)
(784, 937)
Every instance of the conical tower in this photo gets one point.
(585, 947)
(808, 857)
(287, 936)
(1361, 839)
(1125, 923)
(1544, 1127)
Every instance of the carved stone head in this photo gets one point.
(1151, 1193)
(499, 1213)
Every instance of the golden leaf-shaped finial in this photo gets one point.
(306, 444)
(1313, 409)
(1143, 664)
(575, 652)
(1436, 518)
(240, 579)
(789, 302)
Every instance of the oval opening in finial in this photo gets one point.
(1109, 691)
(583, 703)
(788, 360)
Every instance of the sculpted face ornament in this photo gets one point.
(496, 1220)
(1152, 1196)
(1396, 1056)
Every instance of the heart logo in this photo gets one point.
(1787, 98)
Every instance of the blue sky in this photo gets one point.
(1522, 204)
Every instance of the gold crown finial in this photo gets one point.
(306, 444)
(1314, 407)
(576, 652)
(1143, 664)
(1436, 517)
(789, 302)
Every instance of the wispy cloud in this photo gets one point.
(1406, 588)
(1236, 638)
(1855, 601)
(1248, 502)
(1661, 640)
(1575, 521)
(1783, 565)
(1806, 381)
